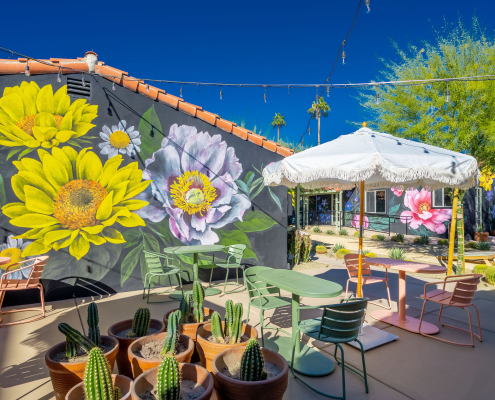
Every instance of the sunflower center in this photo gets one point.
(77, 202)
(193, 192)
(15, 256)
(120, 139)
(27, 123)
(424, 207)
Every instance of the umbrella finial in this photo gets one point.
(365, 124)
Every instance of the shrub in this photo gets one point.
(330, 232)
(372, 255)
(378, 237)
(306, 248)
(471, 245)
(490, 275)
(321, 249)
(484, 246)
(343, 232)
(366, 252)
(342, 252)
(356, 234)
(398, 238)
(316, 229)
(397, 253)
(443, 242)
(337, 247)
(423, 239)
(480, 269)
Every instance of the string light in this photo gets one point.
(377, 98)
(317, 97)
(197, 87)
(147, 88)
(83, 83)
(447, 93)
(309, 131)
(181, 93)
(26, 71)
(264, 96)
(367, 4)
(113, 85)
(343, 53)
(328, 91)
(221, 94)
(288, 89)
(59, 77)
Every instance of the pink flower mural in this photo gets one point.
(421, 213)
(398, 190)
(355, 222)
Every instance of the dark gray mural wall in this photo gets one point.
(93, 176)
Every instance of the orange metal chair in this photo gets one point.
(32, 282)
(352, 265)
(461, 297)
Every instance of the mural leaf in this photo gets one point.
(249, 177)
(393, 210)
(132, 237)
(152, 242)
(151, 133)
(255, 221)
(3, 197)
(275, 198)
(228, 238)
(129, 263)
(242, 186)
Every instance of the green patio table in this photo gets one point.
(195, 250)
(307, 361)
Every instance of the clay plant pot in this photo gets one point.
(190, 329)
(66, 375)
(123, 363)
(481, 236)
(233, 389)
(208, 350)
(189, 372)
(140, 364)
(122, 382)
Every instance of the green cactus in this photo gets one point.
(172, 339)
(73, 335)
(236, 330)
(117, 394)
(169, 378)
(198, 297)
(252, 363)
(179, 315)
(93, 320)
(140, 323)
(229, 315)
(185, 308)
(97, 377)
(216, 328)
(70, 348)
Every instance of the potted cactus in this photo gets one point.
(250, 373)
(217, 336)
(128, 331)
(148, 352)
(171, 380)
(99, 383)
(67, 361)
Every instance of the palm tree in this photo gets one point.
(278, 121)
(318, 109)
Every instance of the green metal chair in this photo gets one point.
(339, 323)
(233, 260)
(155, 269)
(264, 297)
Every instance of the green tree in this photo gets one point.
(318, 109)
(278, 121)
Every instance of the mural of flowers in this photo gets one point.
(194, 177)
(398, 190)
(120, 139)
(489, 195)
(69, 199)
(486, 178)
(31, 117)
(13, 249)
(421, 213)
(355, 222)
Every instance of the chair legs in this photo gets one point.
(42, 309)
(225, 291)
(148, 279)
(371, 302)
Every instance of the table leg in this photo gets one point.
(402, 296)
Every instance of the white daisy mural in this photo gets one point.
(120, 139)
(13, 249)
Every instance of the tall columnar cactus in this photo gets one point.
(216, 328)
(198, 297)
(74, 336)
(252, 362)
(97, 377)
(229, 315)
(171, 341)
(168, 382)
(236, 330)
(185, 308)
(93, 320)
(117, 394)
(70, 348)
(140, 323)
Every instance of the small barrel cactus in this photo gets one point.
(169, 378)
(74, 336)
(198, 297)
(140, 323)
(98, 378)
(252, 363)
(171, 341)
(185, 308)
(216, 328)
(236, 331)
(229, 315)
(93, 320)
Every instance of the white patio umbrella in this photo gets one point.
(369, 159)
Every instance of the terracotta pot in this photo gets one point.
(123, 363)
(208, 350)
(122, 382)
(189, 329)
(481, 236)
(65, 375)
(233, 389)
(189, 372)
(140, 364)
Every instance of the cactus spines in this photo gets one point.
(185, 308)
(140, 323)
(97, 377)
(168, 382)
(117, 394)
(75, 336)
(252, 362)
(70, 348)
(93, 320)
(171, 341)
(229, 315)
(216, 328)
(198, 297)
(236, 330)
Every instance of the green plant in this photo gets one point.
(172, 339)
(278, 121)
(398, 238)
(356, 234)
(397, 253)
(343, 232)
(236, 333)
(74, 337)
(471, 245)
(423, 239)
(484, 246)
(443, 242)
(306, 248)
(229, 317)
(372, 255)
(480, 228)
(93, 320)
(316, 229)
(490, 275)
(252, 363)
(216, 328)
(185, 307)
(378, 237)
(298, 240)
(337, 247)
(330, 232)
(198, 297)
(341, 253)
(366, 252)
(321, 249)
(169, 379)
(140, 323)
(117, 394)
(98, 378)
(480, 269)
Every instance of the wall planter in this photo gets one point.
(122, 382)
(208, 350)
(232, 389)
(189, 372)
(66, 375)
(123, 363)
(141, 364)
(481, 236)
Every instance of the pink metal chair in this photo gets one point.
(352, 265)
(32, 282)
(461, 297)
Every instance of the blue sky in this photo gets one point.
(238, 42)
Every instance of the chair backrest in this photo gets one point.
(465, 288)
(153, 262)
(234, 254)
(37, 267)
(343, 320)
(352, 265)
(255, 287)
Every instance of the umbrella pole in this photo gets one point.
(361, 230)
(450, 260)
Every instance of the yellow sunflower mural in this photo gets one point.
(486, 178)
(31, 117)
(69, 199)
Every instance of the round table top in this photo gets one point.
(4, 260)
(408, 266)
(193, 249)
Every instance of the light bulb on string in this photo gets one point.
(377, 98)
(264, 96)
(288, 89)
(147, 88)
(447, 93)
(59, 76)
(82, 80)
(113, 85)
(309, 131)
(221, 93)
(328, 91)
(317, 97)
(26, 71)
(367, 4)
(197, 87)
(181, 93)
(343, 52)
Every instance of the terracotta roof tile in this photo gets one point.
(256, 139)
(268, 144)
(188, 108)
(241, 132)
(151, 92)
(207, 117)
(225, 125)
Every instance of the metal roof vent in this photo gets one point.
(77, 88)
(91, 59)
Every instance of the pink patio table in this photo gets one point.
(400, 319)
(4, 260)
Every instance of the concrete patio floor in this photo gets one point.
(413, 367)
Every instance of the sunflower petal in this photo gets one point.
(133, 220)
(58, 96)
(32, 143)
(45, 119)
(87, 118)
(38, 201)
(33, 221)
(13, 105)
(44, 101)
(38, 233)
(66, 124)
(78, 160)
(77, 105)
(117, 178)
(32, 91)
(109, 170)
(63, 106)
(14, 136)
(122, 213)
(55, 236)
(64, 136)
(93, 230)
(95, 239)
(72, 154)
(67, 242)
(18, 182)
(113, 235)
(61, 156)
(30, 164)
(55, 172)
(38, 181)
(79, 247)
(82, 128)
(10, 144)
(90, 167)
(105, 209)
(35, 248)
(133, 204)
(136, 177)
(135, 190)
(119, 192)
(16, 211)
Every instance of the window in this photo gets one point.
(375, 201)
(441, 199)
